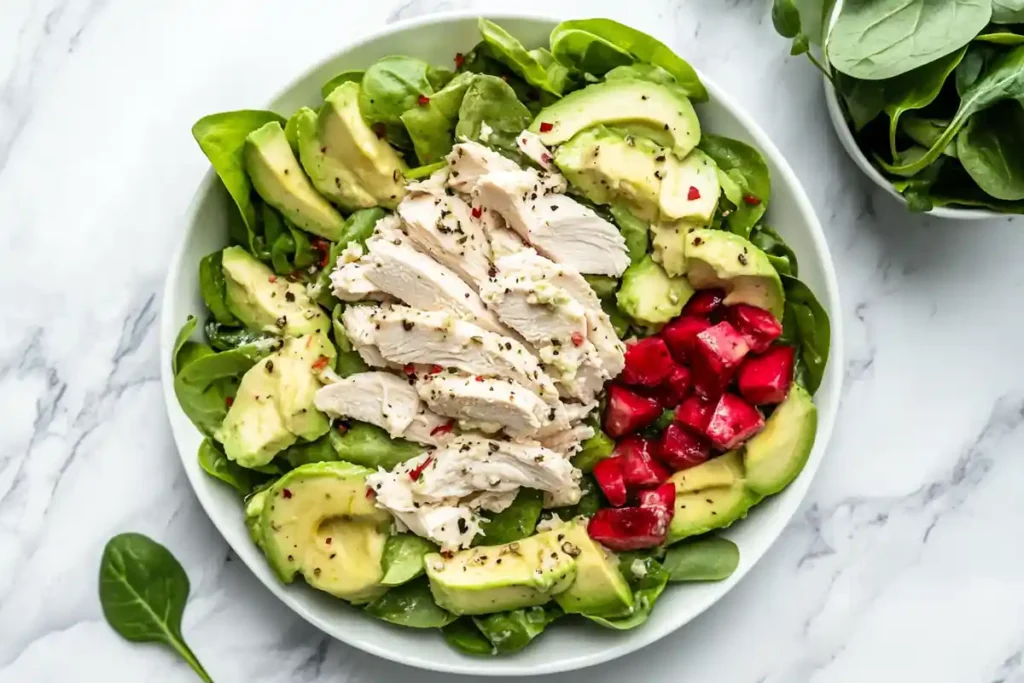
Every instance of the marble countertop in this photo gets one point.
(904, 563)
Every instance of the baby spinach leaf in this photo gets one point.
(925, 132)
(864, 100)
(217, 465)
(917, 89)
(1003, 80)
(639, 45)
(587, 52)
(512, 631)
(779, 253)
(702, 559)
(431, 125)
(593, 450)
(348, 362)
(305, 452)
(425, 170)
(733, 155)
(804, 21)
(350, 76)
(390, 87)
(1007, 11)
(535, 67)
(786, 18)
(1001, 38)
(410, 605)
(463, 635)
(877, 39)
(225, 338)
(590, 501)
(143, 591)
(648, 579)
(620, 321)
(991, 148)
(403, 558)
(977, 60)
(805, 322)
(491, 101)
(515, 522)
(635, 231)
(479, 60)
(370, 446)
(213, 288)
(222, 139)
(641, 72)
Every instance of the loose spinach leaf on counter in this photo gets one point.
(143, 591)
(213, 288)
(805, 324)
(491, 101)
(217, 465)
(352, 75)
(648, 579)
(701, 559)
(390, 87)
(463, 635)
(513, 630)
(370, 446)
(410, 605)
(515, 522)
(403, 558)
(991, 148)
(222, 139)
(536, 67)
(747, 168)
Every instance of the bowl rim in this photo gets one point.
(842, 128)
(634, 640)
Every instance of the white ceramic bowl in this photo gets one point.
(835, 111)
(570, 644)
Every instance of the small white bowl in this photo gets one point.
(835, 111)
(572, 643)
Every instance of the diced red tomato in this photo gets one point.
(704, 303)
(695, 413)
(662, 497)
(639, 468)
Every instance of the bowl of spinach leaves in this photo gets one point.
(927, 97)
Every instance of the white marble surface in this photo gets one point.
(904, 564)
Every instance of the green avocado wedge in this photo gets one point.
(775, 457)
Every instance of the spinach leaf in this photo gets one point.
(977, 60)
(620, 321)
(587, 52)
(512, 631)
(639, 45)
(991, 148)
(641, 72)
(431, 125)
(216, 464)
(648, 579)
(877, 39)
(751, 169)
(479, 60)
(917, 89)
(594, 450)
(403, 558)
(702, 559)
(1001, 38)
(864, 100)
(390, 87)
(515, 522)
(213, 288)
(350, 76)
(1004, 80)
(603, 285)
(348, 362)
(491, 101)
(804, 21)
(222, 139)
(590, 501)
(778, 252)
(370, 446)
(1007, 11)
(536, 67)
(635, 231)
(225, 338)
(143, 591)
(925, 132)
(463, 635)
(410, 605)
(425, 170)
(305, 452)
(806, 323)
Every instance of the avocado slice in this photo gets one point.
(710, 496)
(331, 177)
(660, 112)
(265, 302)
(347, 140)
(274, 403)
(496, 578)
(253, 510)
(649, 295)
(717, 258)
(690, 189)
(279, 180)
(669, 243)
(599, 589)
(317, 521)
(776, 456)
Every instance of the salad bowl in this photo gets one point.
(572, 646)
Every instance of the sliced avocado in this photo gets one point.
(690, 189)
(649, 295)
(669, 243)
(279, 180)
(776, 456)
(716, 258)
(298, 367)
(265, 302)
(331, 176)
(345, 138)
(661, 111)
(496, 578)
(317, 521)
(599, 589)
(710, 496)
(253, 511)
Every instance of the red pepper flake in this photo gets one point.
(545, 158)
(369, 493)
(477, 212)
(272, 279)
(460, 59)
(321, 363)
(228, 401)
(415, 473)
(434, 369)
(380, 130)
(409, 369)
(442, 429)
(342, 428)
(752, 200)
(286, 493)
(324, 247)
(545, 126)
(327, 540)
(479, 378)
(694, 193)
(577, 339)
(423, 100)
